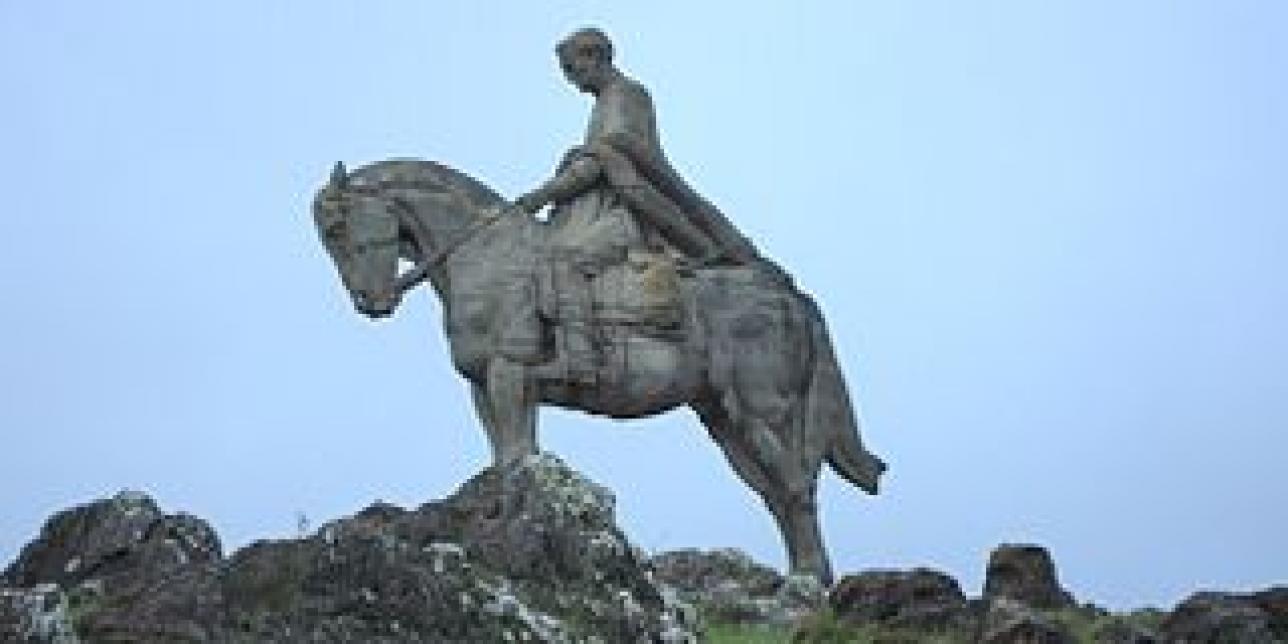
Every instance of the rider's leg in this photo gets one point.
(664, 216)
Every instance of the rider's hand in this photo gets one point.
(531, 202)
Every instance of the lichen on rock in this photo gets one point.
(530, 552)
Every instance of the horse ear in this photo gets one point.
(339, 176)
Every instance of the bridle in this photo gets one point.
(421, 270)
(403, 211)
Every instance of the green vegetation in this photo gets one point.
(746, 634)
(1084, 623)
(825, 628)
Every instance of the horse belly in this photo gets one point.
(644, 376)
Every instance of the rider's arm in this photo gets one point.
(576, 175)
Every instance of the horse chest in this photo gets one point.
(494, 317)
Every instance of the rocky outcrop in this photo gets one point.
(157, 572)
(1027, 574)
(113, 539)
(1245, 618)
(527, 553)
(1012, 622)
(919, 599)
(531, 553)
(1117, 630)
(729, 587)
(1274, 601)
(38, 614)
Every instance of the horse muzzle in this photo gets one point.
(375, 306)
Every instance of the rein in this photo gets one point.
(420, 271)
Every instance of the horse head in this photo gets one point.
(360, 231)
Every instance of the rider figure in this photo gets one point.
(620, 171)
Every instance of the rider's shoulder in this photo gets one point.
(630, 89)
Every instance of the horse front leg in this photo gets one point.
(511, 411)
(483, 409)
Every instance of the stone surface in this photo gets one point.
(124, 533)
(1025, 573)
(918, 599)
(1119, 631)
(633, 297)
(1274, 601)
(38, 614)
(727, 586)
(1221, 618)
(526, 553)
(1008, 621)
(705, 571)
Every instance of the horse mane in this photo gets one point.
(422, 175)
(445, 204)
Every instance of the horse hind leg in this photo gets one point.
(787, 486)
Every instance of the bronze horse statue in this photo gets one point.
(745, 350)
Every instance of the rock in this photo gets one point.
(157, 572)
(800, 595)
(726, 584)
(38, 614)
(538, 521)
(1274, 601)
(126, 533)
(729, 587)
(526, 553)
(184, 603)
(920, 599)
(1119, 631)
(698, 571)
(1027, 574)
(1217, 618)
(1008, 621)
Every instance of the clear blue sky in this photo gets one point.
(1049, 239)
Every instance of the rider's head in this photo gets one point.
(586, 58)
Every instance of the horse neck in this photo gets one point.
(463, 234)
(447, 206)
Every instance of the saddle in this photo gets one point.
(641, 296)
(644, 294)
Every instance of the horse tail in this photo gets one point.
(829, 412)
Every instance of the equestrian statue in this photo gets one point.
(632, 297)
